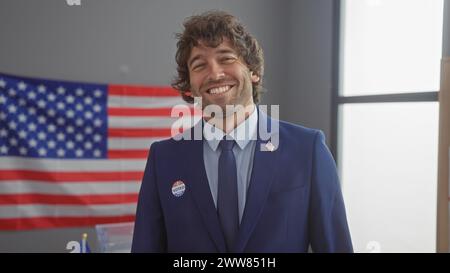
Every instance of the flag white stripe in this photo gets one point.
(150, 122)
(144, 102)
(143, 143)
(35, 210)
(50, 165)
(73, 188)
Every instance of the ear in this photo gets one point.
(255, 78)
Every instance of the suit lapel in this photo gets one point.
(202, 194)
(263, 174)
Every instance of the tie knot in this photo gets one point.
(227, 144)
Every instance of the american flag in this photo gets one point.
(73, 154)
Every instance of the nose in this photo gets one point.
(216, 71)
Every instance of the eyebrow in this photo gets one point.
(220, 51)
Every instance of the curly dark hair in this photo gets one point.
(211, 28)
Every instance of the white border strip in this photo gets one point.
(73, 188)
(8, 163)
(34, 210)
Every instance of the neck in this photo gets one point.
(230, 122)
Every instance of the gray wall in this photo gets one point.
(132, 42)
(307, 99)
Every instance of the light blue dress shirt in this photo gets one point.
(245, 136)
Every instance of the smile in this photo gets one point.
(219, 90)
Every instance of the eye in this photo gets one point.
(197, 67)
(228, 59)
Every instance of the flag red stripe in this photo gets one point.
(93, 199)
(142, 91)
(69, 176)
(133, 132)
(140, 154)
(149, 112)
(57, 221)
(133, 112)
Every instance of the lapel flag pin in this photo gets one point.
(270, 147)
(178, 188)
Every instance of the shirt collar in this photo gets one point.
(214, 135)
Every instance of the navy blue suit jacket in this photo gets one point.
(294, 199)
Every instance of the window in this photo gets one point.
(386, 120)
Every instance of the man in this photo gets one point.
(232, 190)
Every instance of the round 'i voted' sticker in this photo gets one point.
(178, 188)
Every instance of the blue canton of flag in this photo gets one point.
(52, 119)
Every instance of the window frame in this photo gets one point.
(337, 99)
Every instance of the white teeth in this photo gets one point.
(219, 90)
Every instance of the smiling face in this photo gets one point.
(220, 76)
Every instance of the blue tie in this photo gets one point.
(227, 197)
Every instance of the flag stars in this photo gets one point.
(61, 136)
(88, 115)
(22, 102)
(60, 105)
(32, 127)
(97, 153)
(32, 95)
(98, 93)
(70, 145)
(12, 125)
(88, 130)
(98, 122)
(42, 119)
(42, 152)
(41, 104)
(51, 97)
(22, 86)
(79, 153)
(79, 92)
(51, 144)
(79, 122)
(70, 129)
(32, 111)
(70, 99)
(61, 121)
(13, 142)
(32, 143)
(22, 134)
(12, 92)
(97, 108)
(42, 89)
(60, 153)
(2, 83)
(51, 128)
(88, 145)
(70, 113)
(22, 118)
(97, 138)
(23, 151)
(42, 136)
(3, 149)
(79, 137)
(88, 100)
(51, 112)
(12, 108)
(61, 90)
